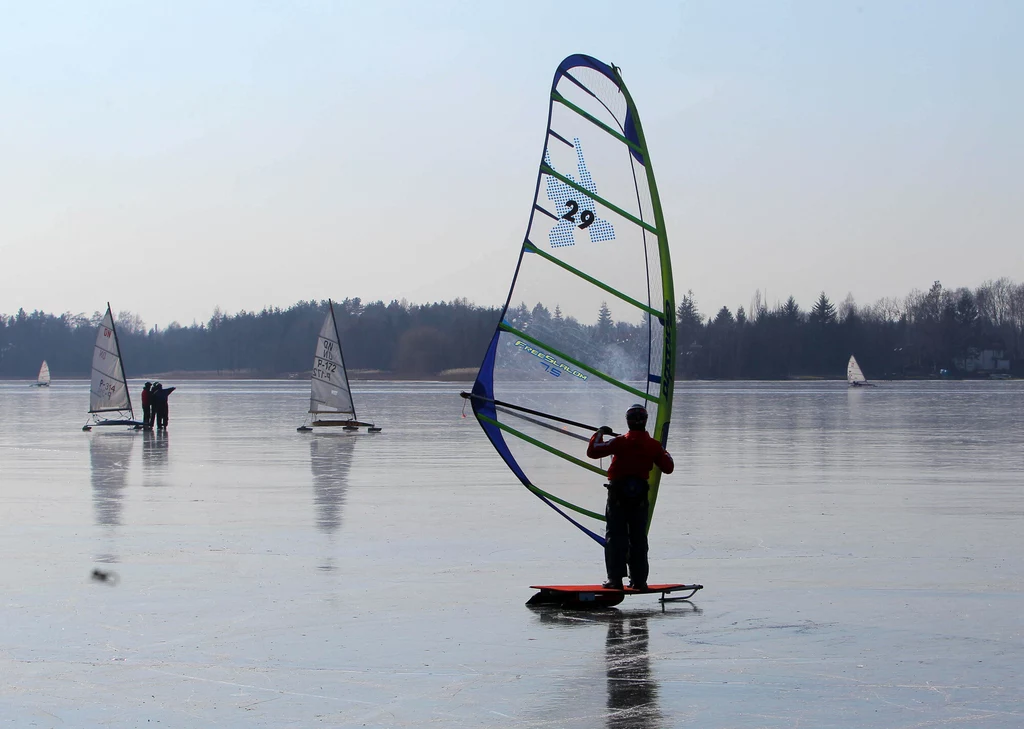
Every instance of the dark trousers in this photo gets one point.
(626, 531)
(147, 414)
(161, 415)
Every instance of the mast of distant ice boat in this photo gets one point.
(120, 364)
(341, 358)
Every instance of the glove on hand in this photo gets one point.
(605, 430)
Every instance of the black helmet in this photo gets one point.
(148, 384)
(636, 416)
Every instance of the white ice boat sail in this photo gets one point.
(330, 398)
(109, 400)
(43, 379)
(854, 375)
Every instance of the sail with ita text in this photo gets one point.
(588, 327)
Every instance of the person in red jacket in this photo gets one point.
(633, 456)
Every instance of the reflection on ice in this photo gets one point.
(632, 690)
(330, 458)
(154, 455)
(632, 700)
(109, 458)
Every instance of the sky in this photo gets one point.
(173, 157)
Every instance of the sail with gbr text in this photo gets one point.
(588, 328)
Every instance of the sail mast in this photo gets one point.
(668, 370)
(120, 362)
(341, 357)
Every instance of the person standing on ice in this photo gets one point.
(147, 409)
(633, 456)
(160, 409)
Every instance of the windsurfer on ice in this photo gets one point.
(633, 456)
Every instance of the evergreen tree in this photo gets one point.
(687, 315)
(689, 322)
(823, 313)
(605, 324)
(518, 316)
(791, 311)
(689, 329)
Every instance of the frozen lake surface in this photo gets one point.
(861, 552)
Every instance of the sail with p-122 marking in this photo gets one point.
(330, 396)
(588, 327)
(329, 389)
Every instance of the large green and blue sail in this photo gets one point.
(588, 328)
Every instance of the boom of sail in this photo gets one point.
(588, 327)
(330, 397)
(108, 390)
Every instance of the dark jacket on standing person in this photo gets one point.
(159, 399)
(147, 409)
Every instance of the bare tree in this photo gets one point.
(848, 308)
(757, 306)
(888, 310)
(129, 323)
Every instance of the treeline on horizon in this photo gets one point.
(918, 335)
(397, 338)
(913, 336)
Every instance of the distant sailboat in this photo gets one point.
(43, 379)
(854, 375)
(108, 391)
(330, 398)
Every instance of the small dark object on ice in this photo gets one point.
(110, 578)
